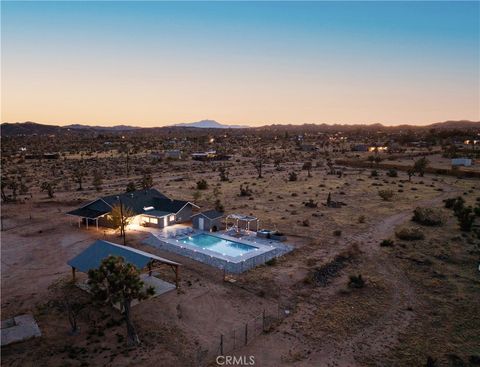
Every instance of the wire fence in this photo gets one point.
(241, 335)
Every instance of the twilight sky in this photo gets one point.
(157, 63)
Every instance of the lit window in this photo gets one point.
(172, 218)
(154, 220)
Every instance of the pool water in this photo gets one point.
(217, 244)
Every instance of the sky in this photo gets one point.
(255, 63)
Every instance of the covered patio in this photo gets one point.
(145, 262)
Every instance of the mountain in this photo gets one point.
(29, 128)
(450, 125)
(210, 124)
(102, 128)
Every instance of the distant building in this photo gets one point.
(173, 154)
(204, 156)
(360, 148)
(466, 162)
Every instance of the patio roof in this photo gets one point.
(246, 218)
(92, 257)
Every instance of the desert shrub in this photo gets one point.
(386, 195)
(431, 362)
(306, 223)
(130, 187)
(449, 202)
(311, 204)
(245, 190)
(202, 185)
(410, 234)
(386, 243)
(392, 172)
(292, 176)
(361, 219)
(427, 216)
(337, 232)
(374, 173)
(271, 262)
(356, 281)
(465, 217)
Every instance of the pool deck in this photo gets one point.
(265, 249)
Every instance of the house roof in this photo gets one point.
(211, 214)
(137, 201)
(92, 256)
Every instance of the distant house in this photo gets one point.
(149, 207)
(210, 220)
(173, 154)
(466, 162)
(308, 148)
(360, 148)
(204, 156)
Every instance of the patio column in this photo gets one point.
(79, 222)
(176, 276)
(97, 223)
(73, 274)
(86, 221)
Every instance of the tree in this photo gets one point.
(197, 195)
(223, 173)
(410, 173)
(378, 160)
(465, 217)
(258, 164)
(4, 184)
(308, 167)
(118, 282)
(97, 181)
(120, 217)
(49, 187)
(131, 187)
(78, 174)
(219, 206)
(14, 186)
(420, 165)
(371, 159)
(147, 180)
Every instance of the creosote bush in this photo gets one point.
(427, 216)
(386, 195)
(410, 234)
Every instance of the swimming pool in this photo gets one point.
(219, 245)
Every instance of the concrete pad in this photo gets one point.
(25, 328)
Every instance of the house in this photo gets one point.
(210, 220)
(360, 148)
(173, 154)
(149, 208)
(204, 156)
(466, 162)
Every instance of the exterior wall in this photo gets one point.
(208, 224)
(184, 215)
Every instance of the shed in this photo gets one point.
(92, 257)
(210, 220)
(466, 162)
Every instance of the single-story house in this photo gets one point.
(149, 208)
(210, 220)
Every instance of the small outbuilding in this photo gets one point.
(92, 257)
(466, 162)
(210, 220)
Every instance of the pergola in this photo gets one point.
(240, 218)
(92, 257)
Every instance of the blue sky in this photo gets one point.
(154, 63)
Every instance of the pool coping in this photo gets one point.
(267, 250)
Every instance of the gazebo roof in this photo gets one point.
(246, 218)
(92, 256)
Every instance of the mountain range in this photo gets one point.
(33, 128)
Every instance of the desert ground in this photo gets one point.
(420, 301)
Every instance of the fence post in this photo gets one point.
(221, 344)
(246, 333)
(263, 321)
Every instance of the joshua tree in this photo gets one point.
(147, 180)
(420, 165)
(292, 176)
(202, 185)
(308, 167)
(97, 180)
(410, 173)
(120, 217)
(78, 174)
(223, 173)
(258, 164)
(131, 187)
(117, 282)
(49, 187)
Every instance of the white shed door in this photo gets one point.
(201, 223)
